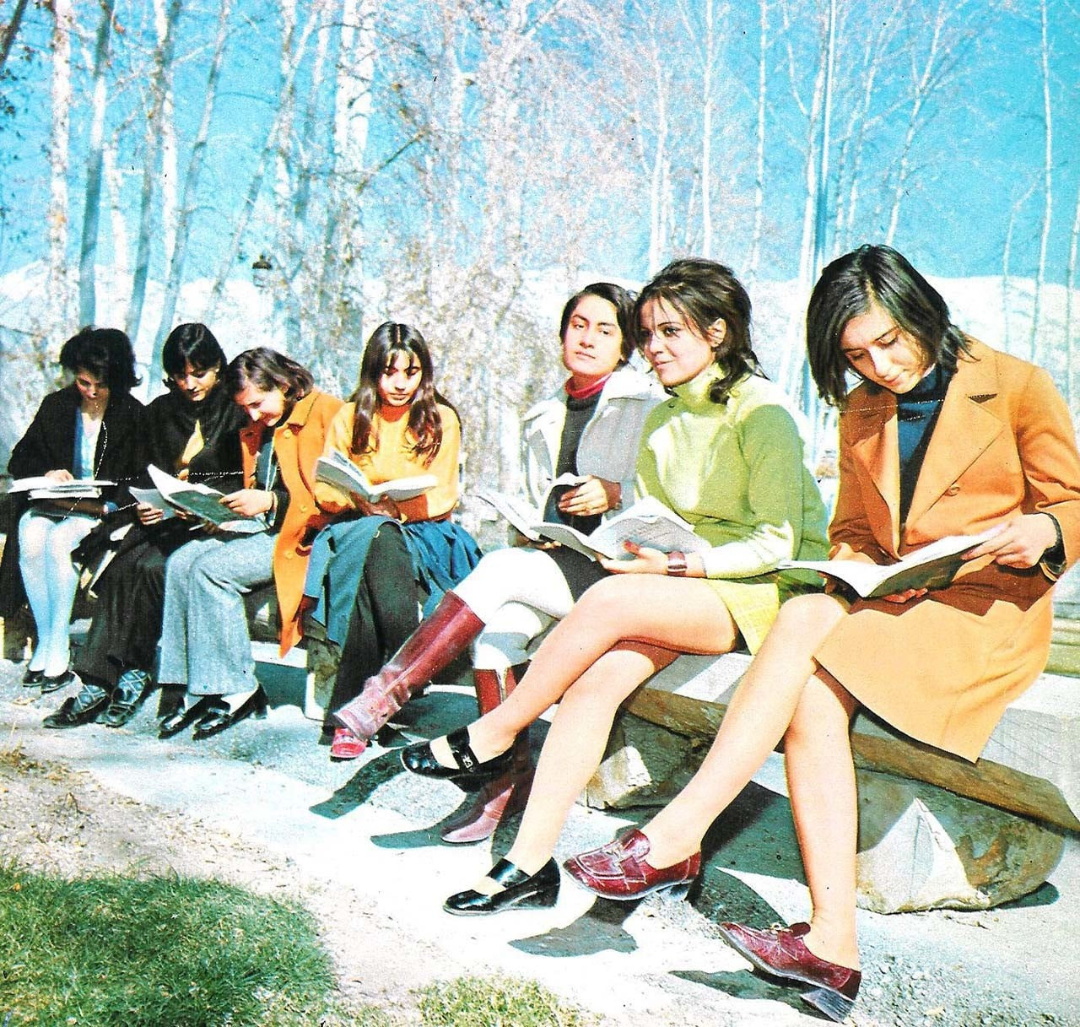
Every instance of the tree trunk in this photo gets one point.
(94, 165)
(59, 289)
(175, 275)
(1048, 183)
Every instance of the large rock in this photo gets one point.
(921, 847)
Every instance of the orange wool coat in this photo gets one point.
(943, 668)
(298, 443)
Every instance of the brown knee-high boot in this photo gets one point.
(506, 795)
(438, 640)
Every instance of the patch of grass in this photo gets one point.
(14, 759)
(496, 1002)
(162, 951)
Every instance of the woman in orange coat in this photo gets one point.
(205, 646)
(943, 436)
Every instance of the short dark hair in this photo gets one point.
(848, 287)
(267, 369)
(621, 299)
(106, 353)
(704, 292)
(192, 343)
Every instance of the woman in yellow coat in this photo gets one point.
(943, 436)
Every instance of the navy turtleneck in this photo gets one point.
(917, 413)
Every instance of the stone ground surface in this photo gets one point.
(262, 805)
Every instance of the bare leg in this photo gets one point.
(575, 745)
(821, 783)
(759, 715)
(681, 614)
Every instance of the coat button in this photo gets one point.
(952, 489)
(304, 508)
(289, 554)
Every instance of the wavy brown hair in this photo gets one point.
(425, 422)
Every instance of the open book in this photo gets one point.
(338, 470)
(200, 501)
(932, 566)
(647, 523)
(47, 488)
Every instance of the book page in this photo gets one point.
(520, 514)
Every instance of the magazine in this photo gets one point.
(647, 523)
(200, 501)
(338, 470)
(931, 566)
(43, 487)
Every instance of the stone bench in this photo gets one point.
(934, 831)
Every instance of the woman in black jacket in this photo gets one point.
(193, 433)
(90, 429)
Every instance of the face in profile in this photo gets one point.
(676, 349)
(880, 351)
(592, 342)
(266, 408)
(196, 383)
(400, 379)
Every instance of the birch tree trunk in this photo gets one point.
(759, 172)
(94, 166)
(59, 290)
(175, 275)
(1048, 184)
(152, 162)
(11, 32)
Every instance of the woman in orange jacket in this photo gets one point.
(205, 646)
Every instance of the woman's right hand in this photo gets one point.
(148, 514)
(906, 596)
(60, 475)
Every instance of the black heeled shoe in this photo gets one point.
(32, 678)
(470, 774)
(535, 891)
(79, 709)
(221, 717)
(53, 683)
(175, 722)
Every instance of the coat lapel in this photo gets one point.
(965, 429)
(876, 450)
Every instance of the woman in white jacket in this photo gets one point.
(589, 429)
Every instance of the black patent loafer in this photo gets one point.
(32, 678)
(80, 709)
(470, 774)
(221, 717)
(520, 890)
(56, 681)
(185, 716)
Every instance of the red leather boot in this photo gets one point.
(506, 795)
(438, 640)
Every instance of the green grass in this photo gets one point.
(496, 1002)
(170, 952)
(161, 952)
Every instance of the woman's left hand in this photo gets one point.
(249, 502)
(1020, 543)
(593, 496)
(645, 561)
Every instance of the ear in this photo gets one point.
(717, 333)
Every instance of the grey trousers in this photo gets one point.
(205, 643)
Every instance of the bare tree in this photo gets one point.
(59, 283)
(94, 166)
(1048, 182)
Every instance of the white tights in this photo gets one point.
(517, 593)
(50, 580)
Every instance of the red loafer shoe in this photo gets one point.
(781, 952)
(618, 870)
(346, 746)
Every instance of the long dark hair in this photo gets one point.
(704, 292)
(621, 299)
(266, 369)
(425, 423)
(192, 343)
(106, 353)
(848, 287)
